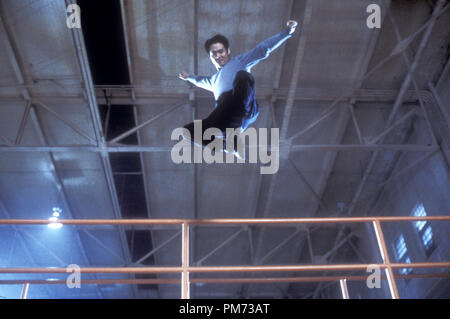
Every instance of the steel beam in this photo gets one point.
(327, 113)
(440, 103)
(398, 101)
(413, 80)
(309, 186)
(337, 246)
(296, 70)
(23, 122)
(224, 243)
(83, 62)
(13, 55)
(127, 48)
(145, 183)
(405, 169)
(392, 127)
(133, 100)
(81, 54)
(310, 248)
(154, 250)
(145, 123)
(68, 123)
(6, 141)
(355, 123)
(279, 246)
(103, 246)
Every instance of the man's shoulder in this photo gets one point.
(236, 60)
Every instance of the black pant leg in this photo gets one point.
(243, 87)
(221, 118)
(235, 108)
(244, 94)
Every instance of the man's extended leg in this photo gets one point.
(244, 100)
(244, 96)
(218, 119)
(225, 115)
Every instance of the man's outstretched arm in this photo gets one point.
(263, 50)
(203, 82)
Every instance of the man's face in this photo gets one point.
(219, 55)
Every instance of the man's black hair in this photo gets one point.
(218, 38)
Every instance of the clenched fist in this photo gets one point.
(291, 24)
(183, 75)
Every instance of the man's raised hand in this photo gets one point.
(292, 24)
(183, 75)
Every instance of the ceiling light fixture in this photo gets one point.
(54, 224)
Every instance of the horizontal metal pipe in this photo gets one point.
(167, 149)
(150, 97)
(284, 268)
(281, 268)
(92, 270)
(308, 279)
(221, 269)
(278, 221)
(92, 281)
(214, 280)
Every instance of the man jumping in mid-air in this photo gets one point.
(233, 85)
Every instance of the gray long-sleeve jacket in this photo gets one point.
(222, 80)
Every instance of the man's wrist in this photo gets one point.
(286, 30)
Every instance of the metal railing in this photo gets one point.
(185, 269)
